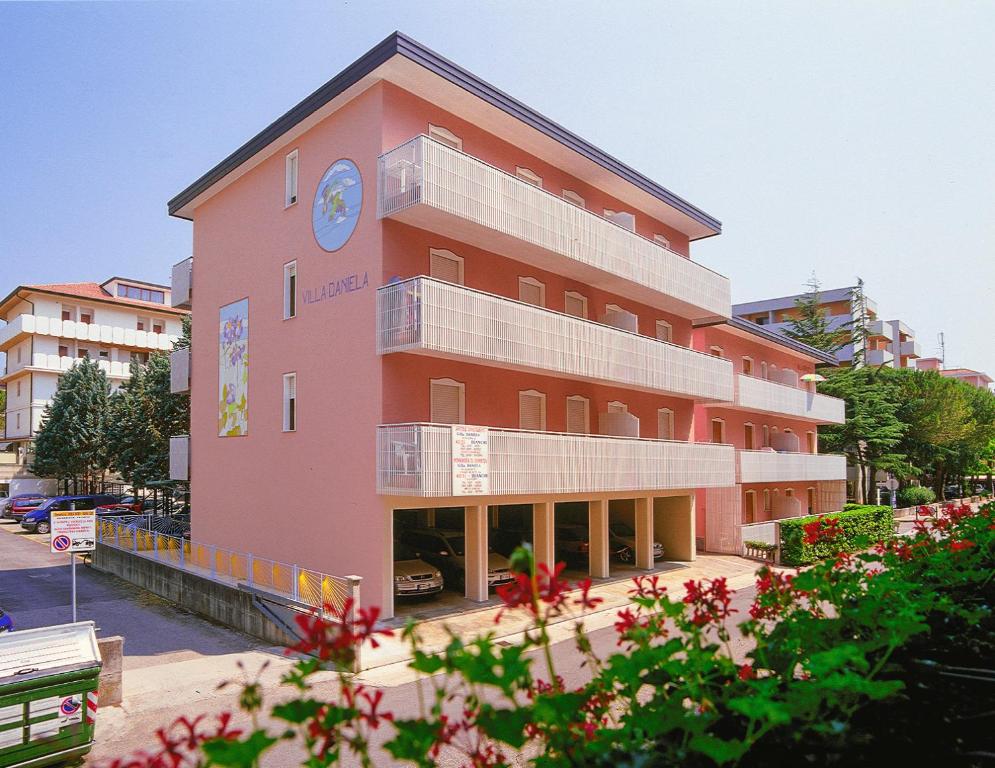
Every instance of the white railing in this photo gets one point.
(766, 532)
(773, 467)
(427, 173)
(417, 460)
(427, 315)
(60, 364)
(879, 357)
(761, 395)
(96, 333)
(179, 370)
(179, 458)
(181, 287)
(909, 348)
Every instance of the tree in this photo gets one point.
(72, 439)
(872, 431)
(144, 414)
(811, 323)
(857, 328)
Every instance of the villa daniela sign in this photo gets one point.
(471, 471)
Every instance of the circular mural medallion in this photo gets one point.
(337, 204)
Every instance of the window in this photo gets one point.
(290, 187)
(813, 442)
(104, 354)
(664, 331)
(446, 265)
(532, 410)
(715, 351)
(18, 421)
(748, 366)
(290, 290)
(750, 512)
(445, 136)
(139, 358)
(766, 501)
(447, 401)
(18, 388)
(531, 291)
(86, 316)
(772, 372)
(572, 197)
(617, 317)
(811, 500)
(156, 327)
(141, 294)
(661, 240)
(289, 402)
(624, 219)
(528, 175)
(718, 431)
(617, 407)
(748, 436)
(665, 424)
(82, 352)
(578, 415)
(763, 371)
(140, 324)
(575, 304)
(789, 493)
(63, 350)
(19, 353)
(67, 314)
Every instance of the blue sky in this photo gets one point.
(845, 138)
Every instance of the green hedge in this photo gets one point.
(914, 495)
(861, 526)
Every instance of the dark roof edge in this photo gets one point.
(398, 43)
(779, 338)
(133, 280)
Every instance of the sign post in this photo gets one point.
(73, 530)
(892, 485)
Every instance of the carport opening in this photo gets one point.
(510, 527)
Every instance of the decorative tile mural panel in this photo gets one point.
(233, 370)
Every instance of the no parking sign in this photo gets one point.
(73, 530)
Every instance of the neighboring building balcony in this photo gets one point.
(909, 348)
(179, 370)
(427, 316)
(879, 329)
(179, 458)
(764, 396)
(417, 460)
(41, 363)
(181, 284)
(767, 466)
(23, 326)
(879, 357)
(434, 187)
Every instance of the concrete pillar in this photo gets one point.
(597, 520)
(543, 539)
(387, 596)
(476, 553)
(675, 526)
(644, 533)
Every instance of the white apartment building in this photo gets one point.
(48, 328)
(890, 343)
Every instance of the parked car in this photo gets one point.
(510, 536)
(22, 506)
(7, 505)
(129, 505)
(39, 520)
(413, 576)
(953, 491)
(572, 543)
(623, 543)
(6, 623)
(445, 549)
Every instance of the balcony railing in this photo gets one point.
(909, 348)
(60, 364)
(417, 460)
(181, 289)
(773, 467)
(179, 370)
(179, 458)
(764, 396)
(434, 317)
(879, 357)
(435, 187)
(24, 325)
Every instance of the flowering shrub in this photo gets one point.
(805, 540)
(870, 658)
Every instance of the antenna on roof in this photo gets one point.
(943, 350)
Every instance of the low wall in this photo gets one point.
(110, 692)
(219, 602)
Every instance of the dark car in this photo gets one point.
(572, 543)
(446, 550)
(7, 505)
(39, 520)
(6, 623)
(623, 543)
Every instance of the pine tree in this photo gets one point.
(71, 442)
(858, 327)
(811, 324)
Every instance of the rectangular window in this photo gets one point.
(140, 325)
(575, 304)
(67, 314)
(665, 424)
(748, 437)
(529, 176)
(572, 197)
(63, 350)
(447, 401)
(156, 327)
(290, 290)
(532, 410)
(718, 431)
(748, 366)
(445, 136)
(85, 316)
(291, 180)
(716, 351)
(664, 331)
(82, 352)
(18, 388)
(578, 415)
(445, 265)
(289, 402)
(531, 291)
(104, 354)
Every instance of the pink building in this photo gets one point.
(773, 423)
(463, 318)
(977, 379)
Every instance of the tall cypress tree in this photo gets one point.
(72, 440)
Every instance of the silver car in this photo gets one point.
(413, 576)
(623, 543)
(445, 549)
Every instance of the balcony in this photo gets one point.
(23, 326)
(179, 458)
(879, 329)
(42, 363)
(182, 284)
(879, 357)
(773, 467)
(909, 348)
(763, 396)
(179, 370)
(434, 187)
(431, 317)
(417, 460)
